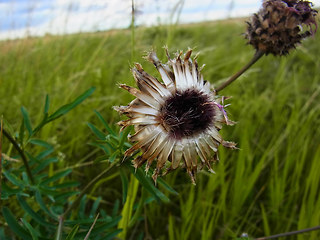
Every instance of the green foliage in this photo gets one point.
(40, 205)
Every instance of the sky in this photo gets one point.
(21, 18)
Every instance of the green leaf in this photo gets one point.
(101, 146)
(88, 221)
(82, 207)
(166, 186)
(13, 179)
(8, 127)
(35, 216)
(123, 136)
(45, 153)
(73, 232)
(46, 105)
(69, 184)
(42, 205)
(115, 208)
(114, 156)
(101, 227)
(14, 225)
(26, 119)
(62, 197)
(95, 207)
(66, 108)
(10, 191)
(112, 234)
(44, 164)
(148, 184)
(105, 124)
(40, 142)
(125, 182)
(31, 230)
(96, 131)
(21, 133)
(56, 176)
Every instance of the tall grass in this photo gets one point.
(270, 185)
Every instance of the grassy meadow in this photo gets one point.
(271, 185)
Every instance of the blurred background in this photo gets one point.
(21, 18)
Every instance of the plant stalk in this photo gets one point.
(290, 233)
(255, 58)
(21, 153)
(133, 12)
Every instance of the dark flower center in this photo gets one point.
(187, 113)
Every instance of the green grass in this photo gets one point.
(269, 186)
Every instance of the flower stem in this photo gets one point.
(289, 233)
(255, 58)
(133, 12)
(21, 153)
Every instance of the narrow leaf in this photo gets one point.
(73, 232)
(92, 226)
(105, 124)
(46, 105)
(35, 216)
(40, 142)
(125, 182)
(31, 230)
(166, 186)
(13, 179)
(21, 133)
(148, 184)
(66, 108)
(14, 225)
(44, 164)
(57, 176)
(95, 206)
(26, 119)
(96, 131)
(43, 205)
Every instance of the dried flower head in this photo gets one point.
(177, 121)
(277, 27)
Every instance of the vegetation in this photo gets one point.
(269, 186)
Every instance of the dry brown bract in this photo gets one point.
(177, 121)
(278, 26)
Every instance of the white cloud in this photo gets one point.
(70, 16)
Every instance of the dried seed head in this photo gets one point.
(277, 27)
(177, 121)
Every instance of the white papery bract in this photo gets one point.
(176, 121)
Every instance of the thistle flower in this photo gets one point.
(177, 122)
(277, 27)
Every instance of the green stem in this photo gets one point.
(290, 233)
(21, 153)
(255, 58)
(132, 31)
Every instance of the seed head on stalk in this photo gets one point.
(278, 26)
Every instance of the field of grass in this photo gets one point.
(271, 185)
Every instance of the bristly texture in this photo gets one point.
(177, 122)
(277, 27)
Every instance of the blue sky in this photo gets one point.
(19, 18)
